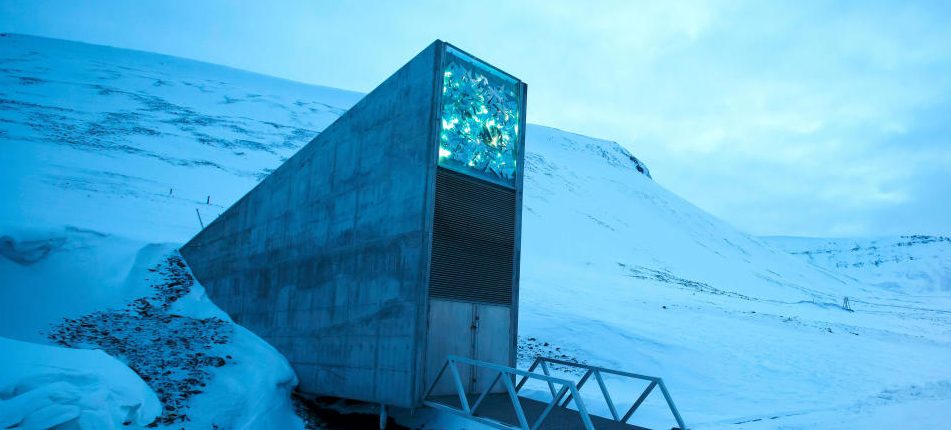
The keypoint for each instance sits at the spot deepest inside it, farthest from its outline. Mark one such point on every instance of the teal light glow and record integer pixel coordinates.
(480, 116)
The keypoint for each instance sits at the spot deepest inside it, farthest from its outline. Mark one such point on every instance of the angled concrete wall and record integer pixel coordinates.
(327, 258)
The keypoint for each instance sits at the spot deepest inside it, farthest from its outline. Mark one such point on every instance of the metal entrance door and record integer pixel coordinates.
(475, 330)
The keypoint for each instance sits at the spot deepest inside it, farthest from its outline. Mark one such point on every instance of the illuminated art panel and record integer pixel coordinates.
(480, 117)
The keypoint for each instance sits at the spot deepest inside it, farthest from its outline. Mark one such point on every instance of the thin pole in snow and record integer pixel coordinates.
(199, 219)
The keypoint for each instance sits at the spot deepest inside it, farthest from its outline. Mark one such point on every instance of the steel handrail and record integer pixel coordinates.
(596, 371)
(506, 375)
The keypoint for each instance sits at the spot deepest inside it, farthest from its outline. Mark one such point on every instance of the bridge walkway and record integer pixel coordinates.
(501, 406)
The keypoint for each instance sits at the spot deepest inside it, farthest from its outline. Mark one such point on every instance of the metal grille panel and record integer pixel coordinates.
(473, 240)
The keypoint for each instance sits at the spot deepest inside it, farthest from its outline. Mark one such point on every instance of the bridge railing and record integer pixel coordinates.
(544, 363)
(560, 388)
(564, 392)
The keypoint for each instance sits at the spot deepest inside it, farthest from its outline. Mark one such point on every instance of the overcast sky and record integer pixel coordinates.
(787, 118)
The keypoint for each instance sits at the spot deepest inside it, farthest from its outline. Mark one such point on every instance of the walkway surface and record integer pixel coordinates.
(498, 407)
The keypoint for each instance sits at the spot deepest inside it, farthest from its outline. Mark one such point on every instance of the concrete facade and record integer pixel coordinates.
(324, 258)
(327, 259)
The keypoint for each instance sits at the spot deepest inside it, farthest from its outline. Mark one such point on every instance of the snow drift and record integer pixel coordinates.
(44, 386)
(180, 355)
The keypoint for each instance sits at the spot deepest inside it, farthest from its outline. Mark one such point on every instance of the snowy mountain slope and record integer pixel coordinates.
(115, 126)
(621, 272)
(96, 137)
(913, 264)
(616, 270)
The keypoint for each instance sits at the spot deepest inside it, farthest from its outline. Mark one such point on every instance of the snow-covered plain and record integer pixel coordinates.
(110, 156)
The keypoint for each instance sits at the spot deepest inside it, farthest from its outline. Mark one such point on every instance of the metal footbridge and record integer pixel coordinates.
(500, 404)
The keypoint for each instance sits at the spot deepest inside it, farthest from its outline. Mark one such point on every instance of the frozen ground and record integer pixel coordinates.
(109, 153)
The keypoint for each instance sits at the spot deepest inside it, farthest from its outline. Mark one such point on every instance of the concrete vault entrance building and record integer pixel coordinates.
(383, 258)
(388, 242)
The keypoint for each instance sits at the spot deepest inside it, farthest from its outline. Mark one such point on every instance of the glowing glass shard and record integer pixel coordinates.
(480, 116)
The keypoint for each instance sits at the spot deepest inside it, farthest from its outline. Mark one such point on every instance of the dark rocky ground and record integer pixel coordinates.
(171, 353)
(530, 348)
(336, 414)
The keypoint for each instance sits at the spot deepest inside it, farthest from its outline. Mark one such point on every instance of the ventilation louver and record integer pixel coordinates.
(473, 240)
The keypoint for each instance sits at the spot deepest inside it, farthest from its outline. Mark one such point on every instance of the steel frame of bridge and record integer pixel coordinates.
(564, 392)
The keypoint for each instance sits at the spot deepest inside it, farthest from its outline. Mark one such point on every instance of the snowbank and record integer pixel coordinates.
(78, 272)
(107, 295)
(253, 389)
(44, 386)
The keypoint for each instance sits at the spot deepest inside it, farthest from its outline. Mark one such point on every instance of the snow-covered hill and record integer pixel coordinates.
(131, 143)
(912, 264)
(616, 270)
